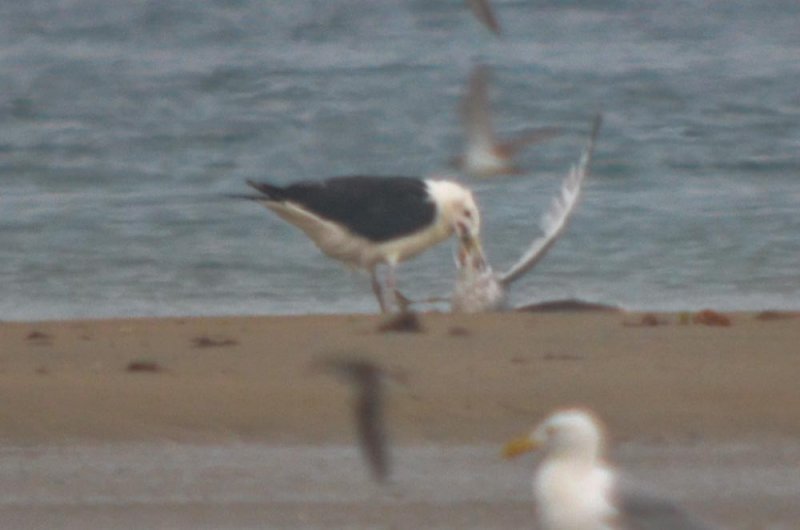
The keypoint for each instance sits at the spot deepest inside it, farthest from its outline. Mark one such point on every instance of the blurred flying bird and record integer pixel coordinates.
(484, 155)
(367, 380)
(483, 12)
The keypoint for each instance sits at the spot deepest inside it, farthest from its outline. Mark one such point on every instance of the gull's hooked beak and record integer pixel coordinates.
(470, 252)
(519, 446)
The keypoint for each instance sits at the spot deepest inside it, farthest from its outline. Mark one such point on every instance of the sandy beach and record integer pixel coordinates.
(708, 409)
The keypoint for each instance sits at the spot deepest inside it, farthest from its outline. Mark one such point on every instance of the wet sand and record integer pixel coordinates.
(238, 486)
(219, 423)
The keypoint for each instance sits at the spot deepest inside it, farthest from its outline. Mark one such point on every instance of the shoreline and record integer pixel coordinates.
(220, 422)
(467, 378)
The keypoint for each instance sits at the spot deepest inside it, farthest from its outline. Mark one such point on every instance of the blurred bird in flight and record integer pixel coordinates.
(484, 155)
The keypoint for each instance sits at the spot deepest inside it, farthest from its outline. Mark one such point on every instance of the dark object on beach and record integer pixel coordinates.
(776, 315)
(647, 320)
(209, 342)
(366, 379)
(562, 357)
(143, 366)
(405, 322)
(38, 336)
(568, 306)
(458, 331)
(707, 317)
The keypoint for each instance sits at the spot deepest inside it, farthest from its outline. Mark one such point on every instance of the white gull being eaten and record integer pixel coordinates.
(478, 287)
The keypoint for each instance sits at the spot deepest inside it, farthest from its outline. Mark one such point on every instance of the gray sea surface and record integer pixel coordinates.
(124, 123)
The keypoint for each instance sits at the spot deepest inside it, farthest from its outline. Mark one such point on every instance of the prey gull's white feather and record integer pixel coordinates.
(554, 221)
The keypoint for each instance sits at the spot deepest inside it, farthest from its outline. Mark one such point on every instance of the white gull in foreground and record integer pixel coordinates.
(574, 489)
(365, 221)
(478, 288)
(484, 155)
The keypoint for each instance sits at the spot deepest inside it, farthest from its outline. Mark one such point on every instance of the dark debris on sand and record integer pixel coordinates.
(647, 320)
(765, 316)
(143, 366)
(404, 322)
(38, 336)
(568, 305)
(210, 342)
(708, 317)
(458, 331)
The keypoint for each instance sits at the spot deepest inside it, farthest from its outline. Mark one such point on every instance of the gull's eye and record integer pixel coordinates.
(468, 214)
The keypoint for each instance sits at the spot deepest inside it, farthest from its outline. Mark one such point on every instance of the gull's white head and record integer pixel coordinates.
(574, 433)
(457, 208)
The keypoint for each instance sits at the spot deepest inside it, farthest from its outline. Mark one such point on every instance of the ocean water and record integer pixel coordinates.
(123, 124)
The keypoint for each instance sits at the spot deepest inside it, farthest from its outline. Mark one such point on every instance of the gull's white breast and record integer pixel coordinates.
(573, 496)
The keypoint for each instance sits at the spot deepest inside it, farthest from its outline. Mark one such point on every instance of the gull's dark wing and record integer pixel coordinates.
(639, 511)
(376, 208)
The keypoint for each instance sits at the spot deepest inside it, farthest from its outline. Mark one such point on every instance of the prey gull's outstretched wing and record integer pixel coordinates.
(555, 220)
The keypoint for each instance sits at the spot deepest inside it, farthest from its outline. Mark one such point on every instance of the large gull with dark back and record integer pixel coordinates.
(365, 221)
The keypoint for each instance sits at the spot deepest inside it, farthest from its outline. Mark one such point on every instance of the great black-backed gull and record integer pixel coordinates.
(574, 489)
(478, 288)
(484, 155)
(365, 221)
